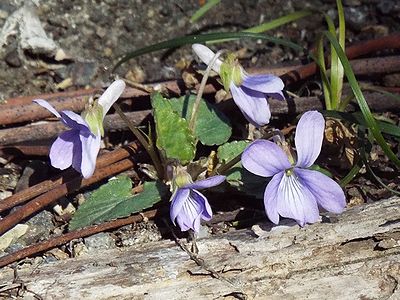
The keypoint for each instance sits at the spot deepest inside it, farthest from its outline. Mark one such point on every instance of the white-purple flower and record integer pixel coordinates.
(294, 191)
(248, 91)
(79, 146)
(188, 205)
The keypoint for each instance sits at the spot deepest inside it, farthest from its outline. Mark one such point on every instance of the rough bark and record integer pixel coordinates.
(352, 256)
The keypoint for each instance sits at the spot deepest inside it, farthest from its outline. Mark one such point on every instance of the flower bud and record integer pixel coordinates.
(93, 115)
(231, 71)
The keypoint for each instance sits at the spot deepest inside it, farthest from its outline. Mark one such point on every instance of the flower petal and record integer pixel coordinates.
(308, 138)
(206, 55)
(47, 106)
(295, 201)
(207, 212)
(265, 158)
(326, 191)
(252, 104)
(111, 94)
(73, 120)
(192, 210)
(90, 150)
(62, 150)
(277, 96)
(264, 83)
(178, 199)
(271, 198)
(206, 183)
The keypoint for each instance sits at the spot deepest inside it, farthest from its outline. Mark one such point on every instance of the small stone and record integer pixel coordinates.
(99, 241)
(129, 24)
(356, 17)
(83, 73)
(386, 6)
(40, 226)
(12, 59)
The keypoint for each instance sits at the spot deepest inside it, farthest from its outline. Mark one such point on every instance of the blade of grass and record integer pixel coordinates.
(279, 21)
(370, 120)
(202, 38)
(358, 118)
(337, 68)
(271, 24)
(203, 10)
(334, 66)
(352, 173)
(322, 69)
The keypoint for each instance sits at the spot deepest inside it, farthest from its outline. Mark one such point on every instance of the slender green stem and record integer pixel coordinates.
(201, 90)
(224, 168)
(149, 147)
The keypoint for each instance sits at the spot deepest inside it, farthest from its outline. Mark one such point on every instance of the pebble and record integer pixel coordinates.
(356, 17)
(100, 240)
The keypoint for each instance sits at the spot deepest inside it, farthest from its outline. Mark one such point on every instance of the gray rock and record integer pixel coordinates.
(356, 17)
(12, 59)
(101, 240)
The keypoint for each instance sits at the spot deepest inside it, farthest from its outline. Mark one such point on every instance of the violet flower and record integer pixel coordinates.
(188, 205)
(295, 191)
(80, 145)
(248, 91)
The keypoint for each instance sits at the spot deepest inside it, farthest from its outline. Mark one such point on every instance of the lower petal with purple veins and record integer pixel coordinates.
(178, 200)
(295, 201)
(271, 197)
(63, 149)
(326, 191)
(252, 104)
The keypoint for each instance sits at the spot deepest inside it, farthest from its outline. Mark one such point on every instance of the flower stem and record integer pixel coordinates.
(148, 146)
(196, 104)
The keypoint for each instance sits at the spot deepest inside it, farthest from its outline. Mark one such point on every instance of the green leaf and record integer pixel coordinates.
(211, 127)
(115, 200)
(173, 133)
(370, 120)
(229, 151)
(202, 10)
(202, 38)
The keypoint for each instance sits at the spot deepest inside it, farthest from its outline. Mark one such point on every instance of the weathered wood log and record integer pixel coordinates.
(352, 256)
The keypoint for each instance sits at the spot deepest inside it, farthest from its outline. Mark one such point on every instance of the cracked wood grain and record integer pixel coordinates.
(339, 258)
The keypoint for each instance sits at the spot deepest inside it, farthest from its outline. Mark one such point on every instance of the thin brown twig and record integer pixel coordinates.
(51, 129)
(76, 234)
(104, 160)
(51, 196)
(377, 102)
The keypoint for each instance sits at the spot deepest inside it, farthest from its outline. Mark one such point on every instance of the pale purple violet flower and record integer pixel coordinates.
(248, 91)
(188, 205)
(80, 146)
(294, 191)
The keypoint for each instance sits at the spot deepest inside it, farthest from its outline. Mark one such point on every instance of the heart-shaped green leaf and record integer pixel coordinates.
(115, 200)
(173, 133)
(211, 127)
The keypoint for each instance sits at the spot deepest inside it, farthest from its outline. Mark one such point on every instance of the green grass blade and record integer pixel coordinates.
(370, 120)
(341, 37)
(334, 65)
(279, 21)
(325, 83)
(358, 118)
(352, 173)
(203, 10)
(271, 24)
(202, 38)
